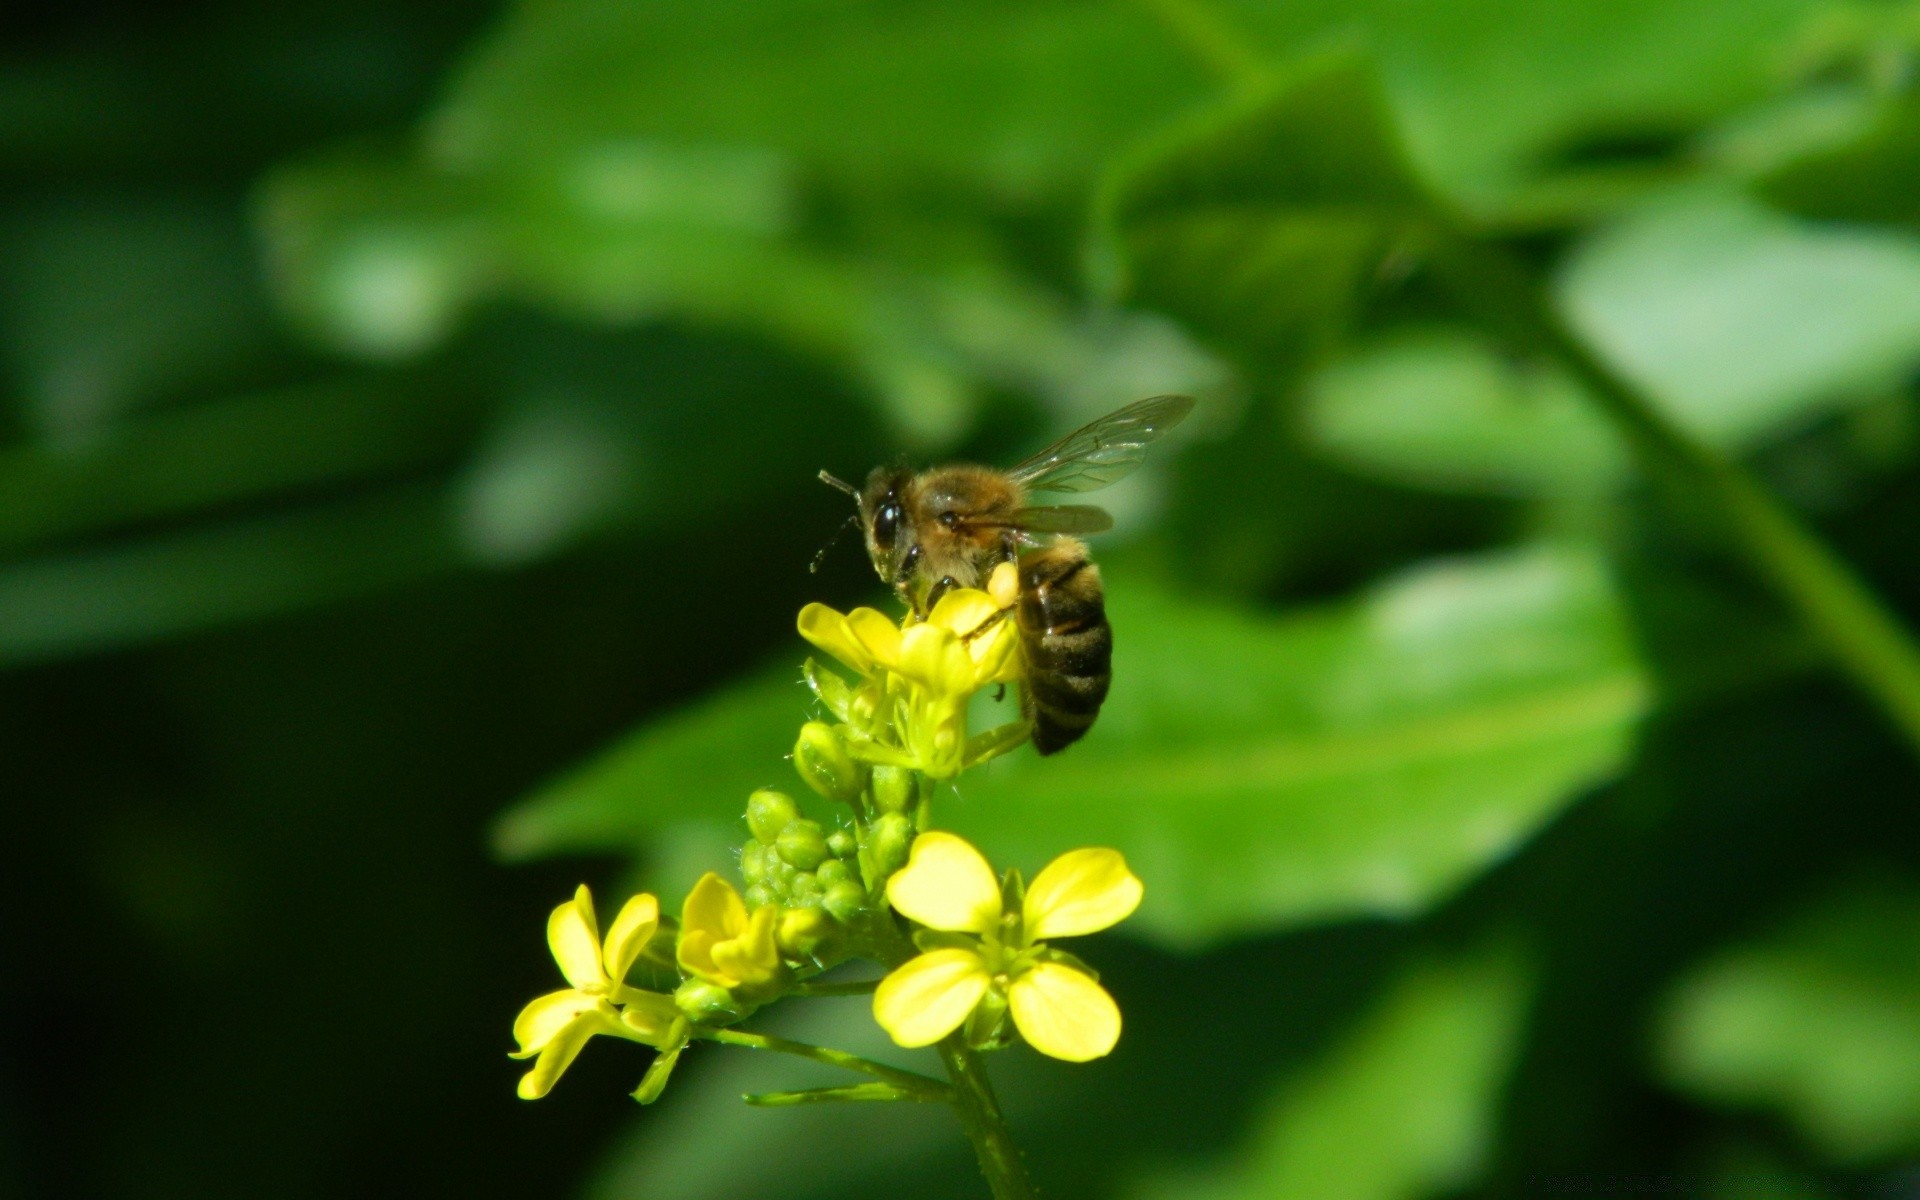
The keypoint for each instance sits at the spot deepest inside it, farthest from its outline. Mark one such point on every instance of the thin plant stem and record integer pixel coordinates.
(852, 1093)
(973, 1098)
(858, 987)
(1846, 620)
(972, 1092)
(905, 1080)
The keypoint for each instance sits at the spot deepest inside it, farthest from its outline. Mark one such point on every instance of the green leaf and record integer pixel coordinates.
(180, 582)
(1261, 222)
(1017, 99)
(194, 457)
(1256, 771)
(1874, 177)
(696, 766)
(1264, 772)
(1406, 1104)
(1817, 1019)
(1745, 323)
(1441, 409)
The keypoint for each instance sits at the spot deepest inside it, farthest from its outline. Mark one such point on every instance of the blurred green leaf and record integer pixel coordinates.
(1745, 323)
(1258, 772)
(1874, 177)
(1817, 1019)
(108, 303)
(1019, 100)
(191, 457)
(1261, 223)
(1365, 759)
(89, 600)
(1405, 1105)
(1441, 409)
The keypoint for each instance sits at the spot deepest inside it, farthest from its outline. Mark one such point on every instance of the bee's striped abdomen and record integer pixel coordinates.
(1067, 643)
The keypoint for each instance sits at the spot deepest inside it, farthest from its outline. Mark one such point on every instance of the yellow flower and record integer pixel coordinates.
(1001, 960)
(926, 670)
(720, 943)
(558, 1024)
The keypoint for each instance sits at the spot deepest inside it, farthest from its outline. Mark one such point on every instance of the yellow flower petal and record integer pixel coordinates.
(560, 1052)
(933, 657)
(713, 913)
(545, 1017)
(830, 630)
(1063, 1013)
(631, 931)
(1082, 891)
(927, 998)
(946, 885)
(752, 957)
(877, 636)
(963, 611)
(575, 940)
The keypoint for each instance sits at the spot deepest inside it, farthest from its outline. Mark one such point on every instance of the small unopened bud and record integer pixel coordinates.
(804, 888)
(842, 844)
(802, 931)
(889, 841)
(846, 900)
(758, 894)
(893, 789)
(708, 1003)
(768, 812)
(802, 844)
(821, 758)
(833, 871)
(753, 862)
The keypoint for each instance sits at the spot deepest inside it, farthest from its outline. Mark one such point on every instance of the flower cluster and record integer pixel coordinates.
(968, 954)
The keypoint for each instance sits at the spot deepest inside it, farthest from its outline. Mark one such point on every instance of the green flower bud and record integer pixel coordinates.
(821, 758)
(802, 931)
(768, 812)
(802, 844)
(846, 900)
(842, 844)
(760, 894)
(805, 888)
(891, 837)
(780, 875)
(753, 863)
(833, 871)
(894, 790)
(706, 1003)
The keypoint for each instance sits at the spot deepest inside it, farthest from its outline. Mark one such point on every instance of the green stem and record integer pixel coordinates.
(861, 987)
(1863, 638)
(1856, 631)
(905, 1080)
(852, 1093)
(979, 1111)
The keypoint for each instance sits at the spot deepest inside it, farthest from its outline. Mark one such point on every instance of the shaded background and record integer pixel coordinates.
(410, 414)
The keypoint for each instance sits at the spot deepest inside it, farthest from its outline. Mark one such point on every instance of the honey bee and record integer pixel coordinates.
(930, 531)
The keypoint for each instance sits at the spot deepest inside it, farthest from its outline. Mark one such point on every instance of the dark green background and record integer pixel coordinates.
(408, 422)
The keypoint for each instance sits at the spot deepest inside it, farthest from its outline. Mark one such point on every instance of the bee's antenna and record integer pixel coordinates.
(813, 568)
(834, 481)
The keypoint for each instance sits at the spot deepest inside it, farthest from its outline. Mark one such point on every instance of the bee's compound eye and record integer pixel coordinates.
(886, 524)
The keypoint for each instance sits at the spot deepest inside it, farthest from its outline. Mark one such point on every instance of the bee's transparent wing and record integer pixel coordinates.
(1062, 518)
(1104, 452)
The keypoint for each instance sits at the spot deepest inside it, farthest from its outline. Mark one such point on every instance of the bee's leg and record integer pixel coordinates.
(941, 587)
(985, 625)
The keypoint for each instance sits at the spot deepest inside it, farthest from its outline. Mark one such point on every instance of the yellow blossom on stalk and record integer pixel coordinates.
(925, 671)
(721, 943)
(998, 961)
(555, 1026)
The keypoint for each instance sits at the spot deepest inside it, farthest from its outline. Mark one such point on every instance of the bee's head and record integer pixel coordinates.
(891, 543)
